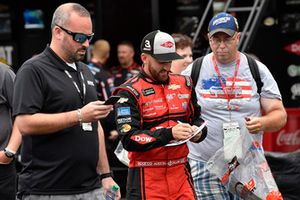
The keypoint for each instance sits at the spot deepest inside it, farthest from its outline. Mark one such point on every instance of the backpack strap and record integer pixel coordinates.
(255, 72)
(196, 70)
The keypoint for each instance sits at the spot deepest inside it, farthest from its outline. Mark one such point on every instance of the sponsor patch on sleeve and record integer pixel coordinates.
(125, 128)
(134, 91)
(142, 138)
(124, 120)
(187, 81)
(123, 111)
(123, 100)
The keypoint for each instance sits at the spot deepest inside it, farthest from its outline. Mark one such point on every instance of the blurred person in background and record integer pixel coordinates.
(100, 55)
(184, 47)
(127, 67)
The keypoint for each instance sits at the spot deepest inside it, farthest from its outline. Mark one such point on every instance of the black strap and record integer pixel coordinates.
(105, 175)
(255, 72)
(196, 70)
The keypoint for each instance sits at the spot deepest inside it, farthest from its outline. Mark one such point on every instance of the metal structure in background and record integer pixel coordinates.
(252, 23)
(254, 16)
(203, 18)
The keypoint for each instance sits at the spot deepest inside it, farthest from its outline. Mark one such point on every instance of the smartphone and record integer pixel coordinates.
(112, 100)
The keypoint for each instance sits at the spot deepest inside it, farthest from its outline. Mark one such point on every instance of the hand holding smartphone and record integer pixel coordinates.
(112, 100)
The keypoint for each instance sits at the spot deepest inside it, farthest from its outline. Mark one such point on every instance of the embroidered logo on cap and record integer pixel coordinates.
(221, 20)
(147, 45)
(167, 44)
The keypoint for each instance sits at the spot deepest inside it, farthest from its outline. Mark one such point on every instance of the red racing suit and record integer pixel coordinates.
(145, 116)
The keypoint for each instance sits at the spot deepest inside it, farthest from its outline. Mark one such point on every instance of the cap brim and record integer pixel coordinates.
(167, 57)
(227, 31)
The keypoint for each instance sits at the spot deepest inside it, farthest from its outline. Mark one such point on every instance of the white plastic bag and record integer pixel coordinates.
(122, 154)
(249, 176)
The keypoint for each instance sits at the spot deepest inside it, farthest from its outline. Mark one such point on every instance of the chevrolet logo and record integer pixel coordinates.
(122, 100)
(174, 87)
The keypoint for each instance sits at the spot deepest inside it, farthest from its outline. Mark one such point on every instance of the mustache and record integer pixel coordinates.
(82, 48)
(169, 71)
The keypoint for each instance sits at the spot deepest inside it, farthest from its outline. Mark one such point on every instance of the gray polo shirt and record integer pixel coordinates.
(6, 92)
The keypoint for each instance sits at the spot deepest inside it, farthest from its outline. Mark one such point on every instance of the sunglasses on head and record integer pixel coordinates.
(78, 37)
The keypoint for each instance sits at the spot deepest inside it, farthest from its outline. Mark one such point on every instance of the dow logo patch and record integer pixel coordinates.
(142, 138)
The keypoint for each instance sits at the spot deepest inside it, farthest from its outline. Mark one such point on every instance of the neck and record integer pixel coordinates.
(59, 52)
(228, 60)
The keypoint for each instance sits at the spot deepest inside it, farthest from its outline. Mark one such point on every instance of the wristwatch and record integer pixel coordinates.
(9, 153)
(105, 175)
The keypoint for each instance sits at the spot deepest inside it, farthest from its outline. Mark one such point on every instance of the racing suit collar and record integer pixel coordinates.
(148, 79)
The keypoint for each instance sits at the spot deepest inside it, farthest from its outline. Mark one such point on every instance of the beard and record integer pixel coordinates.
(78, 55)
(161, 76)
(73, 52)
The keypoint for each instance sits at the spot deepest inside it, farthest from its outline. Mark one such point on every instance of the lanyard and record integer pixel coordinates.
(82, 96)
(228, 96)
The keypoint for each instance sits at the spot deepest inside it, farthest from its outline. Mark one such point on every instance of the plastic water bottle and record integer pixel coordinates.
(111, 194)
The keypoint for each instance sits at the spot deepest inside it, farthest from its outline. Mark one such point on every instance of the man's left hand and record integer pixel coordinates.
(107, 184)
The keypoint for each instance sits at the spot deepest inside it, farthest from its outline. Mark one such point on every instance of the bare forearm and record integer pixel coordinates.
(15, 139)
(40, 124)
(103, 165)
(275, 117)
(273, 121)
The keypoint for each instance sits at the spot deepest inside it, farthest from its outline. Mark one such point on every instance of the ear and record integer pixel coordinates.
(208, 38)
(238, 37)
(144, 58)
(57, 33)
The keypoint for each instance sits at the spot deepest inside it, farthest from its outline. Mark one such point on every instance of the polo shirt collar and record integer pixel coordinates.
(57, 61)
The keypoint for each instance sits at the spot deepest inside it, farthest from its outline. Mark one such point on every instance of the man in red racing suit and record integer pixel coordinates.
(147, 115)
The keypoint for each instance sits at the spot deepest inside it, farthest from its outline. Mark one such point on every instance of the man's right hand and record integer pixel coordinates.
(182, 131)
(4, 159)
(94, 111)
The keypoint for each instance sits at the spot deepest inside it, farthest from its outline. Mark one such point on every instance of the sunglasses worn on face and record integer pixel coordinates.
(78, 37)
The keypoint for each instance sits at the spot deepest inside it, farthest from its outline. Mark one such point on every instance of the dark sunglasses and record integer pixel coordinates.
(78, 37)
